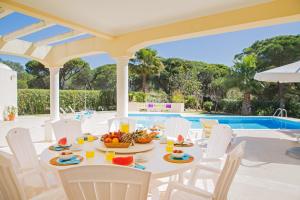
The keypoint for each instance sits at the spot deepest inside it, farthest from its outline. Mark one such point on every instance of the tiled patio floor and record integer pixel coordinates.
(266, 172)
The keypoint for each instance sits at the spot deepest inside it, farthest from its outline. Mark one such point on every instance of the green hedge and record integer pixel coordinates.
(37, 101)
(231, 106)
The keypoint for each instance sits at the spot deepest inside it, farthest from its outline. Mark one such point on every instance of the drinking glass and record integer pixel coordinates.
(80, 140)
(169, 148)
(170, 142)
(124, 127)
(90, 138)
(90, 154)
(109, 155)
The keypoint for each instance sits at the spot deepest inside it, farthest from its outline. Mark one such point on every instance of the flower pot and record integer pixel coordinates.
(11, 117)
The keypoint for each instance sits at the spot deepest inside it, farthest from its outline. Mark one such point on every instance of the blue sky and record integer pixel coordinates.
(219, 48)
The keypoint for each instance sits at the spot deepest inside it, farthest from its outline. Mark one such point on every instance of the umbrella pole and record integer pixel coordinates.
(281, 100)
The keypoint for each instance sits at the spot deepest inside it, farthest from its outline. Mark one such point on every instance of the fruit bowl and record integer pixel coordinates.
(143, 140)
(153, 134)
(177, 154)
(117, 145)
(66, 155)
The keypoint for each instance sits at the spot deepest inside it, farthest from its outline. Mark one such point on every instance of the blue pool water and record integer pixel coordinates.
(235, 122)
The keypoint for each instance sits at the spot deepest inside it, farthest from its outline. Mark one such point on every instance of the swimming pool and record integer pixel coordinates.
(235, 122)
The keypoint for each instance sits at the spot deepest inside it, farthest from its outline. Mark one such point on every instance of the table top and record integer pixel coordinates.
(154, 159)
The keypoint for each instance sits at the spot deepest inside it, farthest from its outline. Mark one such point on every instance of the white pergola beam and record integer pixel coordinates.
(59, 38)
(4, 12)
(27, 30)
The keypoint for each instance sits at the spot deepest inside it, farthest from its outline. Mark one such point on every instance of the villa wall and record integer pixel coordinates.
(156, 107)
(8, 88)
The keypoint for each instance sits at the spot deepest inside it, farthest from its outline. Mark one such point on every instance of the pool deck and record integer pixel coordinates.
(266, 171)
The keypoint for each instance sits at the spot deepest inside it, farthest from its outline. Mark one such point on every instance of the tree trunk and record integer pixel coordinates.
(246, 105)
(144, 83)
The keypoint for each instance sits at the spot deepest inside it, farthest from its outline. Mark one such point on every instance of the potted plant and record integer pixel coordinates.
(11, 113)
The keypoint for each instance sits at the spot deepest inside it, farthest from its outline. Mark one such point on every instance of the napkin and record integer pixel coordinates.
(73, 160)
(184, 157)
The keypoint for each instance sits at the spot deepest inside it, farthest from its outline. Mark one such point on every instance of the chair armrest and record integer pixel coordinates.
(188, 189)
(212, 160)
(207, 168)
(57, 193)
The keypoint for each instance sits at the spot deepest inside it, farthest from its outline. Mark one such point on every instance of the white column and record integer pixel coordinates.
(122, 86)
(54, 93)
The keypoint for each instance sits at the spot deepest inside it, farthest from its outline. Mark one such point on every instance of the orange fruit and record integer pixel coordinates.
(107, 140)
(115, 140)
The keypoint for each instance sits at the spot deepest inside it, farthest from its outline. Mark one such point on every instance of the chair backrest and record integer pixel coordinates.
(20, 143)
(219, 140)
(208, 123)
(10, 187)
(114, 123)
(69, 128)
(105, 182)
(176, 125)
(229, 170)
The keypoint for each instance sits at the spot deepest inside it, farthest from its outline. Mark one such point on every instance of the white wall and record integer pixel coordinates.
(8, 89)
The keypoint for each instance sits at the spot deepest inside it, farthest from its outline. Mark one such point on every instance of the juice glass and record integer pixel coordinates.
(90, 138)
(109, 155)
(170, 142)
(169, 148)
(90, 154)
(80, 140)
(124, 127)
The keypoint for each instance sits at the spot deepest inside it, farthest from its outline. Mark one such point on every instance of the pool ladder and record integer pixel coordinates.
(280, 112)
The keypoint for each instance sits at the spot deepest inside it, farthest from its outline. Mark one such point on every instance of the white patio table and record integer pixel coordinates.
(155, 162)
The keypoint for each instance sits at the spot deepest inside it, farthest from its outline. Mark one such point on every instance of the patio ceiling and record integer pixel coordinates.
(122, 27)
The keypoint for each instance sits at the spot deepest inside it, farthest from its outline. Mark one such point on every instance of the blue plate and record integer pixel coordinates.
(73, 160)
(184, 157)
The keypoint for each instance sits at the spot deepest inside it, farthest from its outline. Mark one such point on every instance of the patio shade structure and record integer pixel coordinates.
(120, 28)
(289, 73)
(285, 74)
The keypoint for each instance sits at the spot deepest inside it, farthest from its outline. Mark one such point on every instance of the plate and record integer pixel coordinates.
(131, 149)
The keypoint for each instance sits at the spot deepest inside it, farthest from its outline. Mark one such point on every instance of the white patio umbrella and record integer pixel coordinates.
(285, 74)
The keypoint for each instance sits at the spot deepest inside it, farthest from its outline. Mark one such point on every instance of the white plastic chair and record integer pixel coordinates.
(217, 145)
(105, 182)
(176, 125)
(207, 125)
(69, 128)
(12, 189)
(220, 191)
(218, 142)
(20, 143)
(114, 123)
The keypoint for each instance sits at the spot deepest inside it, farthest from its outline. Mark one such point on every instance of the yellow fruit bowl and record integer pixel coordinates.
(117, 145)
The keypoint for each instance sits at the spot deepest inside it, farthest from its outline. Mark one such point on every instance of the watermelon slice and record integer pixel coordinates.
(123, 160)
(180, 139)
(63, 141)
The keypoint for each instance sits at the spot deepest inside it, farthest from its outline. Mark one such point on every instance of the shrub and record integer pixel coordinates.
(263, 107)
(137, 96)
(231, 106)
(37, 101)
(293, 108)
(177, 97)
(191, 102)
(207, 105)
(157, 97)
(33, 101)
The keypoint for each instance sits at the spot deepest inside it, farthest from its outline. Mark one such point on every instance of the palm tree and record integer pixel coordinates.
(146, 63)
(242, 76)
